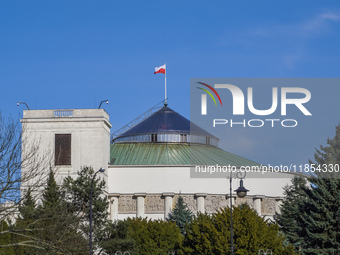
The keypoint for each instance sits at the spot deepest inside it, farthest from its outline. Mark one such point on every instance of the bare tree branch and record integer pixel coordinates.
(22, 165)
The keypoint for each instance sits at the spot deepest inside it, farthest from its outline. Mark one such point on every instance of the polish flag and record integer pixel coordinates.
(160, 69)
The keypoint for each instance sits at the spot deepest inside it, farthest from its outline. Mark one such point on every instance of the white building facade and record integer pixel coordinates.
(150, 165)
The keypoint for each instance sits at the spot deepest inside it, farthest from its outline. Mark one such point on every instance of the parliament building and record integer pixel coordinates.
(150, 164)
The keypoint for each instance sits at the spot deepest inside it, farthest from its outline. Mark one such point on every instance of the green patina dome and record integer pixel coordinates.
(167, 138)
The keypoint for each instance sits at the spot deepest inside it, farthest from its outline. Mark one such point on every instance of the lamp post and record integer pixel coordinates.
(240, 192)
(18, 103)
(104, 101)
(102, 170)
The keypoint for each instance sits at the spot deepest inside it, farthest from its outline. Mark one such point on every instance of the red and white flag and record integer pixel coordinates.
(160, 69)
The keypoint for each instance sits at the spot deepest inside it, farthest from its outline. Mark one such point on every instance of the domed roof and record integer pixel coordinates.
(174, 154)
(167, 138)
(167, 122)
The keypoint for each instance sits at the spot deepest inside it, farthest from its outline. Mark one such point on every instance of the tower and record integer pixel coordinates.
(68, 139)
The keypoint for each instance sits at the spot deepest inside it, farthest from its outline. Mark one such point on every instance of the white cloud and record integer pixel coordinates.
(317, 24)
(293, 39)
(330, 16)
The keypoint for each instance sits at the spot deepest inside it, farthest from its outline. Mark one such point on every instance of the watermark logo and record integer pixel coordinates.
(295, 96)
(239, 99)
(204, 97)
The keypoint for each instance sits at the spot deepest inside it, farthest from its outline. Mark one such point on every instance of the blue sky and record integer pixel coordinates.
(73, 54)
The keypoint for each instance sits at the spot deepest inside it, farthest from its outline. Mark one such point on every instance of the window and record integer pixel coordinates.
(183, 138)
(153, 138)
(62, 149)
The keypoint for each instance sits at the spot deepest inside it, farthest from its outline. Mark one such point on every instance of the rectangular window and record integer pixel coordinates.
(62, 149)
(183, 138)
(154, 138)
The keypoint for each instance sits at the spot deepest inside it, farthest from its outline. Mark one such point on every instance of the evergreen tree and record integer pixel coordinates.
(5, 239)
(27, 209)
(78, 192)
(25, 221)
(47, 215)
(52, 195)
(211, 234)
(143, 237)
(53, 228)
(154, 236)
(181, 214)
(320, 212)
(320, 216)
(117, 238)
(289, 217)
(203, 236)
(317, 222)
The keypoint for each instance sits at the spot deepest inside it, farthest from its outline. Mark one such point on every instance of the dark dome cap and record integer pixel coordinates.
(166, 121)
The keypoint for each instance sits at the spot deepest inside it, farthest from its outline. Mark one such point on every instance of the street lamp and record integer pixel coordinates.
(240, 192)
(102, 170)
(104, 101)
(18, 103)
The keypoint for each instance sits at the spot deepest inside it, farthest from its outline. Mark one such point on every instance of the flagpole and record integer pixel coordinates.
(165, 101)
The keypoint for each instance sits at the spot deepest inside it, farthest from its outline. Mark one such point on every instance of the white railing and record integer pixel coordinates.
(63, 113)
